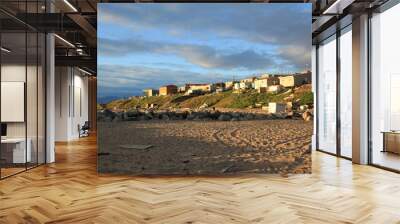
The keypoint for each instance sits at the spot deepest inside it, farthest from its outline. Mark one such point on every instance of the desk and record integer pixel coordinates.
(19, 155)
(391, 141)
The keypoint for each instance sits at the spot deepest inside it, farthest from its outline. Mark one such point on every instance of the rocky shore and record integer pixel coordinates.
(203, 115)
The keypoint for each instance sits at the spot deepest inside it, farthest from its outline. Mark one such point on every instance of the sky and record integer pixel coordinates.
(149, 45)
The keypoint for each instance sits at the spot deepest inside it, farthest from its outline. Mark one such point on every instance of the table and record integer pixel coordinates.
(391, 141)
(19, 154)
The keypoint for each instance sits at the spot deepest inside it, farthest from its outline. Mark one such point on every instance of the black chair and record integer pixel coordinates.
(84, 130)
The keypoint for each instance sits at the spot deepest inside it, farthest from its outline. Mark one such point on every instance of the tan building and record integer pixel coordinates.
(206, 87)
(265, 82)
(182, 89)
(245, 85)
(276, 108)
(251, 79)
(295, 80)
(150, 92)
(168, 90)
(274, 89)
(230, 84)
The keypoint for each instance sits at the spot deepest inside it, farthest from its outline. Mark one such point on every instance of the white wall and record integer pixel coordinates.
(71, 102)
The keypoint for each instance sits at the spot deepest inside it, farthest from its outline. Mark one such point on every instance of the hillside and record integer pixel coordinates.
(228, 99)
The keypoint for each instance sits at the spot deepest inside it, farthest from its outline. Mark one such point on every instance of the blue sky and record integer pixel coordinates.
(149, 45)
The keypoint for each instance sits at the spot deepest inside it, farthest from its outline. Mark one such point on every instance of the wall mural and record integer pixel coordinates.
(204, 89)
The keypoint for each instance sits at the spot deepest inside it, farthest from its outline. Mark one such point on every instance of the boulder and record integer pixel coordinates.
(249, 116)
(224, 117)
(131, 113)
(108, 113)
(165, 117)
(307, 116)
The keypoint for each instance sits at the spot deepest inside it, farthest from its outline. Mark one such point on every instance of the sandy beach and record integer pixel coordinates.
(205, 147)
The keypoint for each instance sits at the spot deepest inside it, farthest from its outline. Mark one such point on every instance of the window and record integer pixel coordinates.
(346, 92)
(327, 95)
(385, 89)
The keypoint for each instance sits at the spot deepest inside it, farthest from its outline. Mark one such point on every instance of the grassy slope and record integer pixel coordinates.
(226, 99)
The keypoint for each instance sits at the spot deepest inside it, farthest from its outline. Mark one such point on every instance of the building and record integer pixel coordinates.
(236, 86)
(150, 92)
(219, 85)
(203, 87)
(275, 89)
(168, 90)
(182, 89)
(295, 80)
(265, 82)
(274, 108)
(230, 85)
(251, 79)
(245, 85)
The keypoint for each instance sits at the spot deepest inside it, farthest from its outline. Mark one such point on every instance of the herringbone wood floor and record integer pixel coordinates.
(70, 191)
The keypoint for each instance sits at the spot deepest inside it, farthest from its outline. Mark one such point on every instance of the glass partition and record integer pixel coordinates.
(385, 89)
(22, 88)
(327, 95)
(346, 92)
(14, 153)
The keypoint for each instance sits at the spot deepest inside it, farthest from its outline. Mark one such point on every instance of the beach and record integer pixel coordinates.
(182, 147)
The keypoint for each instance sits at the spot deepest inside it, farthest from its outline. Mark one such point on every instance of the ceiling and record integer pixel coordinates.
(75, 21)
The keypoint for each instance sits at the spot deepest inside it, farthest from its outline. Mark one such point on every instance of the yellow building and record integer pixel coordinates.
(265, 82)
(150, 92)
(168, 90)
(201, 87)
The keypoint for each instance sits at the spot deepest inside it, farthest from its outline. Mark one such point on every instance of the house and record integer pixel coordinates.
(262, 90)
(274, 108)
(236, 86)
(182, 89)
(295, 80)
(245, 85)
(203, 87)
(265, 82)
(274, 89)
(251, 79)
(220, 85)
(230, 85)
(168, 90)
(150, 92)
(219, 90)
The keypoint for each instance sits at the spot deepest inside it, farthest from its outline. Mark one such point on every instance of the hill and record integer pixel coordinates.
(228, 99)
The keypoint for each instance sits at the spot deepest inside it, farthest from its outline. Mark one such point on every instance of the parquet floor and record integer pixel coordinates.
(70, 191)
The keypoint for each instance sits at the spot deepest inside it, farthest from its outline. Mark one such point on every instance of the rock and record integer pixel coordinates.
(214, 115)
(108, 113)
(290, 114)
(191, 116)
(165, 117)
(249, 116)
(203, 106)
(130, 118)
(280, 115)
(224, 117)
(235, 114)
(131, 114)
(307, 116)
(235, 119)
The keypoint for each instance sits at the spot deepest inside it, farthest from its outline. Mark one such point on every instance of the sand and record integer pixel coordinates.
(205, 147)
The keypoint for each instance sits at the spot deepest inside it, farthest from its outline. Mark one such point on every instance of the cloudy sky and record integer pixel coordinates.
(148, 45)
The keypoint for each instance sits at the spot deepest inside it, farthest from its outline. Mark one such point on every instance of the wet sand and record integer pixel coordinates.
(205, 147)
